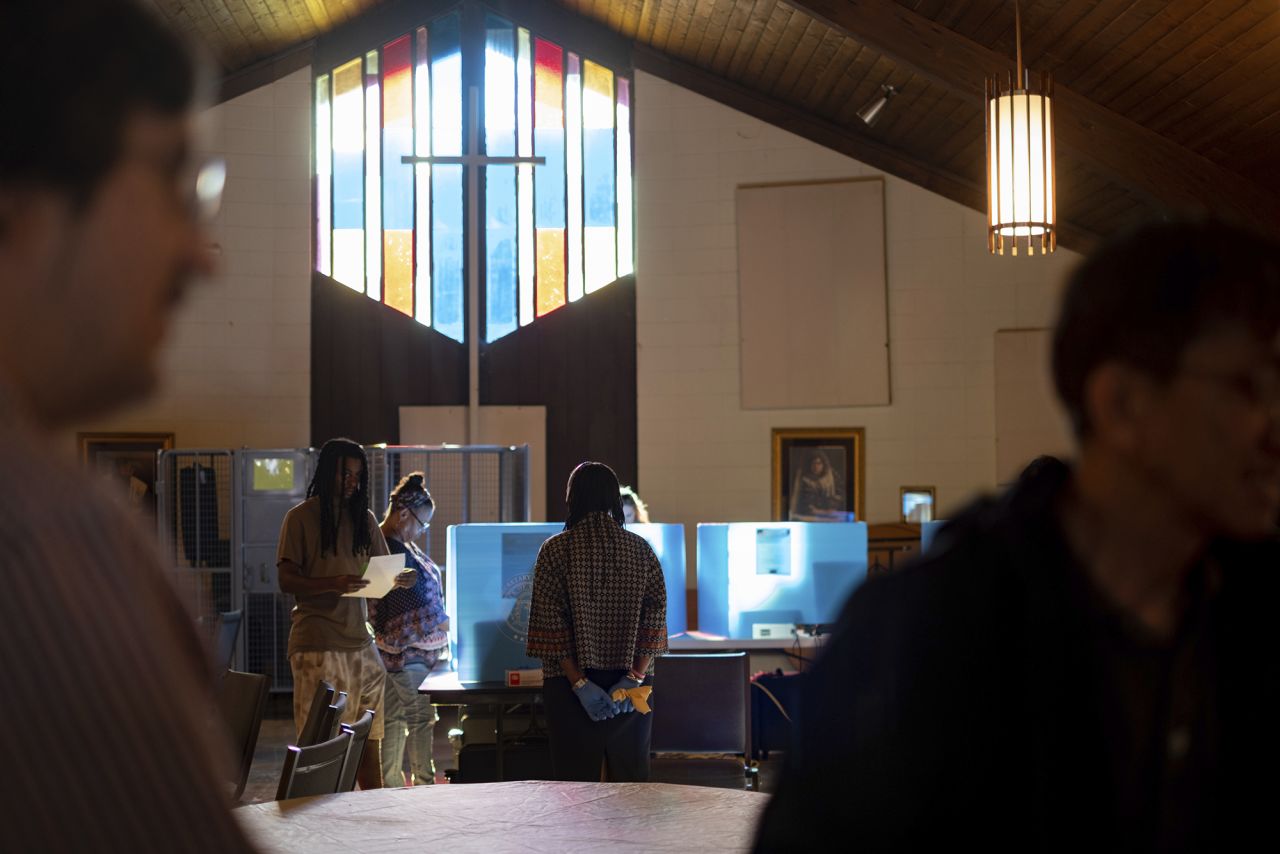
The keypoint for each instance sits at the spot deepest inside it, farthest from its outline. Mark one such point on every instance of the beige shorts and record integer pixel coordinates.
(358, 672)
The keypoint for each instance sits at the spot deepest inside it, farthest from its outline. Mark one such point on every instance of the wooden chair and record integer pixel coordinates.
(702, 711)
(242, 699)
(224, 641)
(359, 735)
(314, 731)
(314, 770)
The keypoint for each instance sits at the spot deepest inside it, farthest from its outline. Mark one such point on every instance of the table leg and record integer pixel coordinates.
(497, 744)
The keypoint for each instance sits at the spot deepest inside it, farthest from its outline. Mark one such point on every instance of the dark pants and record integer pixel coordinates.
(579, 745)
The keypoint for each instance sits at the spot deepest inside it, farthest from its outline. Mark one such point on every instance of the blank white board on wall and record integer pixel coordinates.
(1029, 419)
(811, 294)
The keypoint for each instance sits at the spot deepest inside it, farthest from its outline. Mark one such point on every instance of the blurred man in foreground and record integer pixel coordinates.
(106, 743)
(1089, 661)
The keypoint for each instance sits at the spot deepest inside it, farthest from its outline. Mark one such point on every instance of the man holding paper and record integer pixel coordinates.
(326, 543)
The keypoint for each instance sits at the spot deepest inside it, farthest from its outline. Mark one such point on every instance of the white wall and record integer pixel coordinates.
(701, 456)
(237, 363)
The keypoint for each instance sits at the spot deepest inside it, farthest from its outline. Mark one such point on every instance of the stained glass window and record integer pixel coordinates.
(396, 231)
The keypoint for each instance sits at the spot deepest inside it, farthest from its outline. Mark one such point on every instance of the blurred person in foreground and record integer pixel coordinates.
(1087, 662)
(107, 745)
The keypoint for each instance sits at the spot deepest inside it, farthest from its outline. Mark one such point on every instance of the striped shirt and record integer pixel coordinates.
(599, 597)
(108, 744)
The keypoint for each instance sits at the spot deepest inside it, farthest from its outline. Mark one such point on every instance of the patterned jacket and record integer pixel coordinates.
(598, 597)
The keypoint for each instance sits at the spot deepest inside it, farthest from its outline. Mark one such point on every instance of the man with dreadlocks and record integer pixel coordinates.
(325, 543)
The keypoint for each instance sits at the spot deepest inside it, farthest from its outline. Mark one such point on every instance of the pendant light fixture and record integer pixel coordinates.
(1021, 197)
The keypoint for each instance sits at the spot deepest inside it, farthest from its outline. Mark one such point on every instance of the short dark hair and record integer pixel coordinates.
(1143, 297)
(74, 72)
(593, 488)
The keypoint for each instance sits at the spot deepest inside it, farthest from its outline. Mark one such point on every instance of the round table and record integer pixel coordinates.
(511, 817)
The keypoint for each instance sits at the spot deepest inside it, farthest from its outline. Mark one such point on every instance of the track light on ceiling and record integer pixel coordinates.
(871, 111)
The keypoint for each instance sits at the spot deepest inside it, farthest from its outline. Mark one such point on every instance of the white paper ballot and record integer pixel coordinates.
(381, 574)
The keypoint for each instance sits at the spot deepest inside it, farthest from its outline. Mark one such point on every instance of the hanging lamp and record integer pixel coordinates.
(1021, 197)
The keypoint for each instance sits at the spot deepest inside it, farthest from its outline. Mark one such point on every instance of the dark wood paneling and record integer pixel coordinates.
(1138, 159)
(373, 28)
(368, 360)
(1217, 51)
(580, 363)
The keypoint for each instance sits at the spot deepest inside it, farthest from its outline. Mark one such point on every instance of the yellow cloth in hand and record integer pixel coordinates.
(639, 697)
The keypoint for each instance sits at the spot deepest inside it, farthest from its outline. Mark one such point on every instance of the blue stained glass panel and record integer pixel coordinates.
(397, 185)
(448, 248)
(448, 242)
(501, 212)
(598, 176)
(348, 189)
(549, 179)
(501, 311)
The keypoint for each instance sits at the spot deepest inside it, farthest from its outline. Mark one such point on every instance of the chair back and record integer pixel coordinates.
(313, 770)
(702, 704)
(242, 699)
(313, 730)
(359, 735)
(225, 636)
(333, 717)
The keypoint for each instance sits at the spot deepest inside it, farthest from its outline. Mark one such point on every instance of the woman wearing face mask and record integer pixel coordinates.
(410, 627)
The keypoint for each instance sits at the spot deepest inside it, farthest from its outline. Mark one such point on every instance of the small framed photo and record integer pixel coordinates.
(917, 503)
(818, 474)
(127, 461)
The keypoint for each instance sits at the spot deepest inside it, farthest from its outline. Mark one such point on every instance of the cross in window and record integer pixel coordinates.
(474, 159)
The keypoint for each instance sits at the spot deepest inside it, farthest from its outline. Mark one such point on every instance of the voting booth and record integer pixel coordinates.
(668, 544)
(760, 579)
(489, 589)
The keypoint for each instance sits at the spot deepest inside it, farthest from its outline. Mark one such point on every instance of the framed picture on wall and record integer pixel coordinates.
(127, 461)
(818, 474)
(917, 503)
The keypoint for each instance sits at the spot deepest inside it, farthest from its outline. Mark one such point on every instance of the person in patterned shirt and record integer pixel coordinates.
(411, 629)
(597, 620)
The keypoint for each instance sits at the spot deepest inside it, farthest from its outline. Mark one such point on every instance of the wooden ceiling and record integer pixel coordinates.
(1162, 104)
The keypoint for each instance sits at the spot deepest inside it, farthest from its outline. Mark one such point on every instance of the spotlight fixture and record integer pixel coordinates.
(871, 111)
(1021, 192)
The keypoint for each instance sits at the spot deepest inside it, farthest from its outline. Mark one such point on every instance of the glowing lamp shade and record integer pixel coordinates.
(1021, 197)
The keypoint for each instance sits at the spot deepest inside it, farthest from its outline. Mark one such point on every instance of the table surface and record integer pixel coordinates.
(497, 818)
(684, 643)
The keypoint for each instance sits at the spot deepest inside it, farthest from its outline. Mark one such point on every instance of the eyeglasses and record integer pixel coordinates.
(197, 183)
(417, 518)
(207, 181)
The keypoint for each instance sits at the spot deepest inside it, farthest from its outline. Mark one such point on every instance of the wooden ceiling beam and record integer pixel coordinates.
(1142, 161)
(848, 142)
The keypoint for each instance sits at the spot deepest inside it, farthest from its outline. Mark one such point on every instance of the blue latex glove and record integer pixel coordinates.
(626, 683)
(595, 701)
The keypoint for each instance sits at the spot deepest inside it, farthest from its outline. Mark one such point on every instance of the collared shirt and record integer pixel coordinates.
(407, 621)
(599, 597)
(109, 743)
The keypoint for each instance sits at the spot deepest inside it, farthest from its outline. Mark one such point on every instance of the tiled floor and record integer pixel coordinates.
(277, 732)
